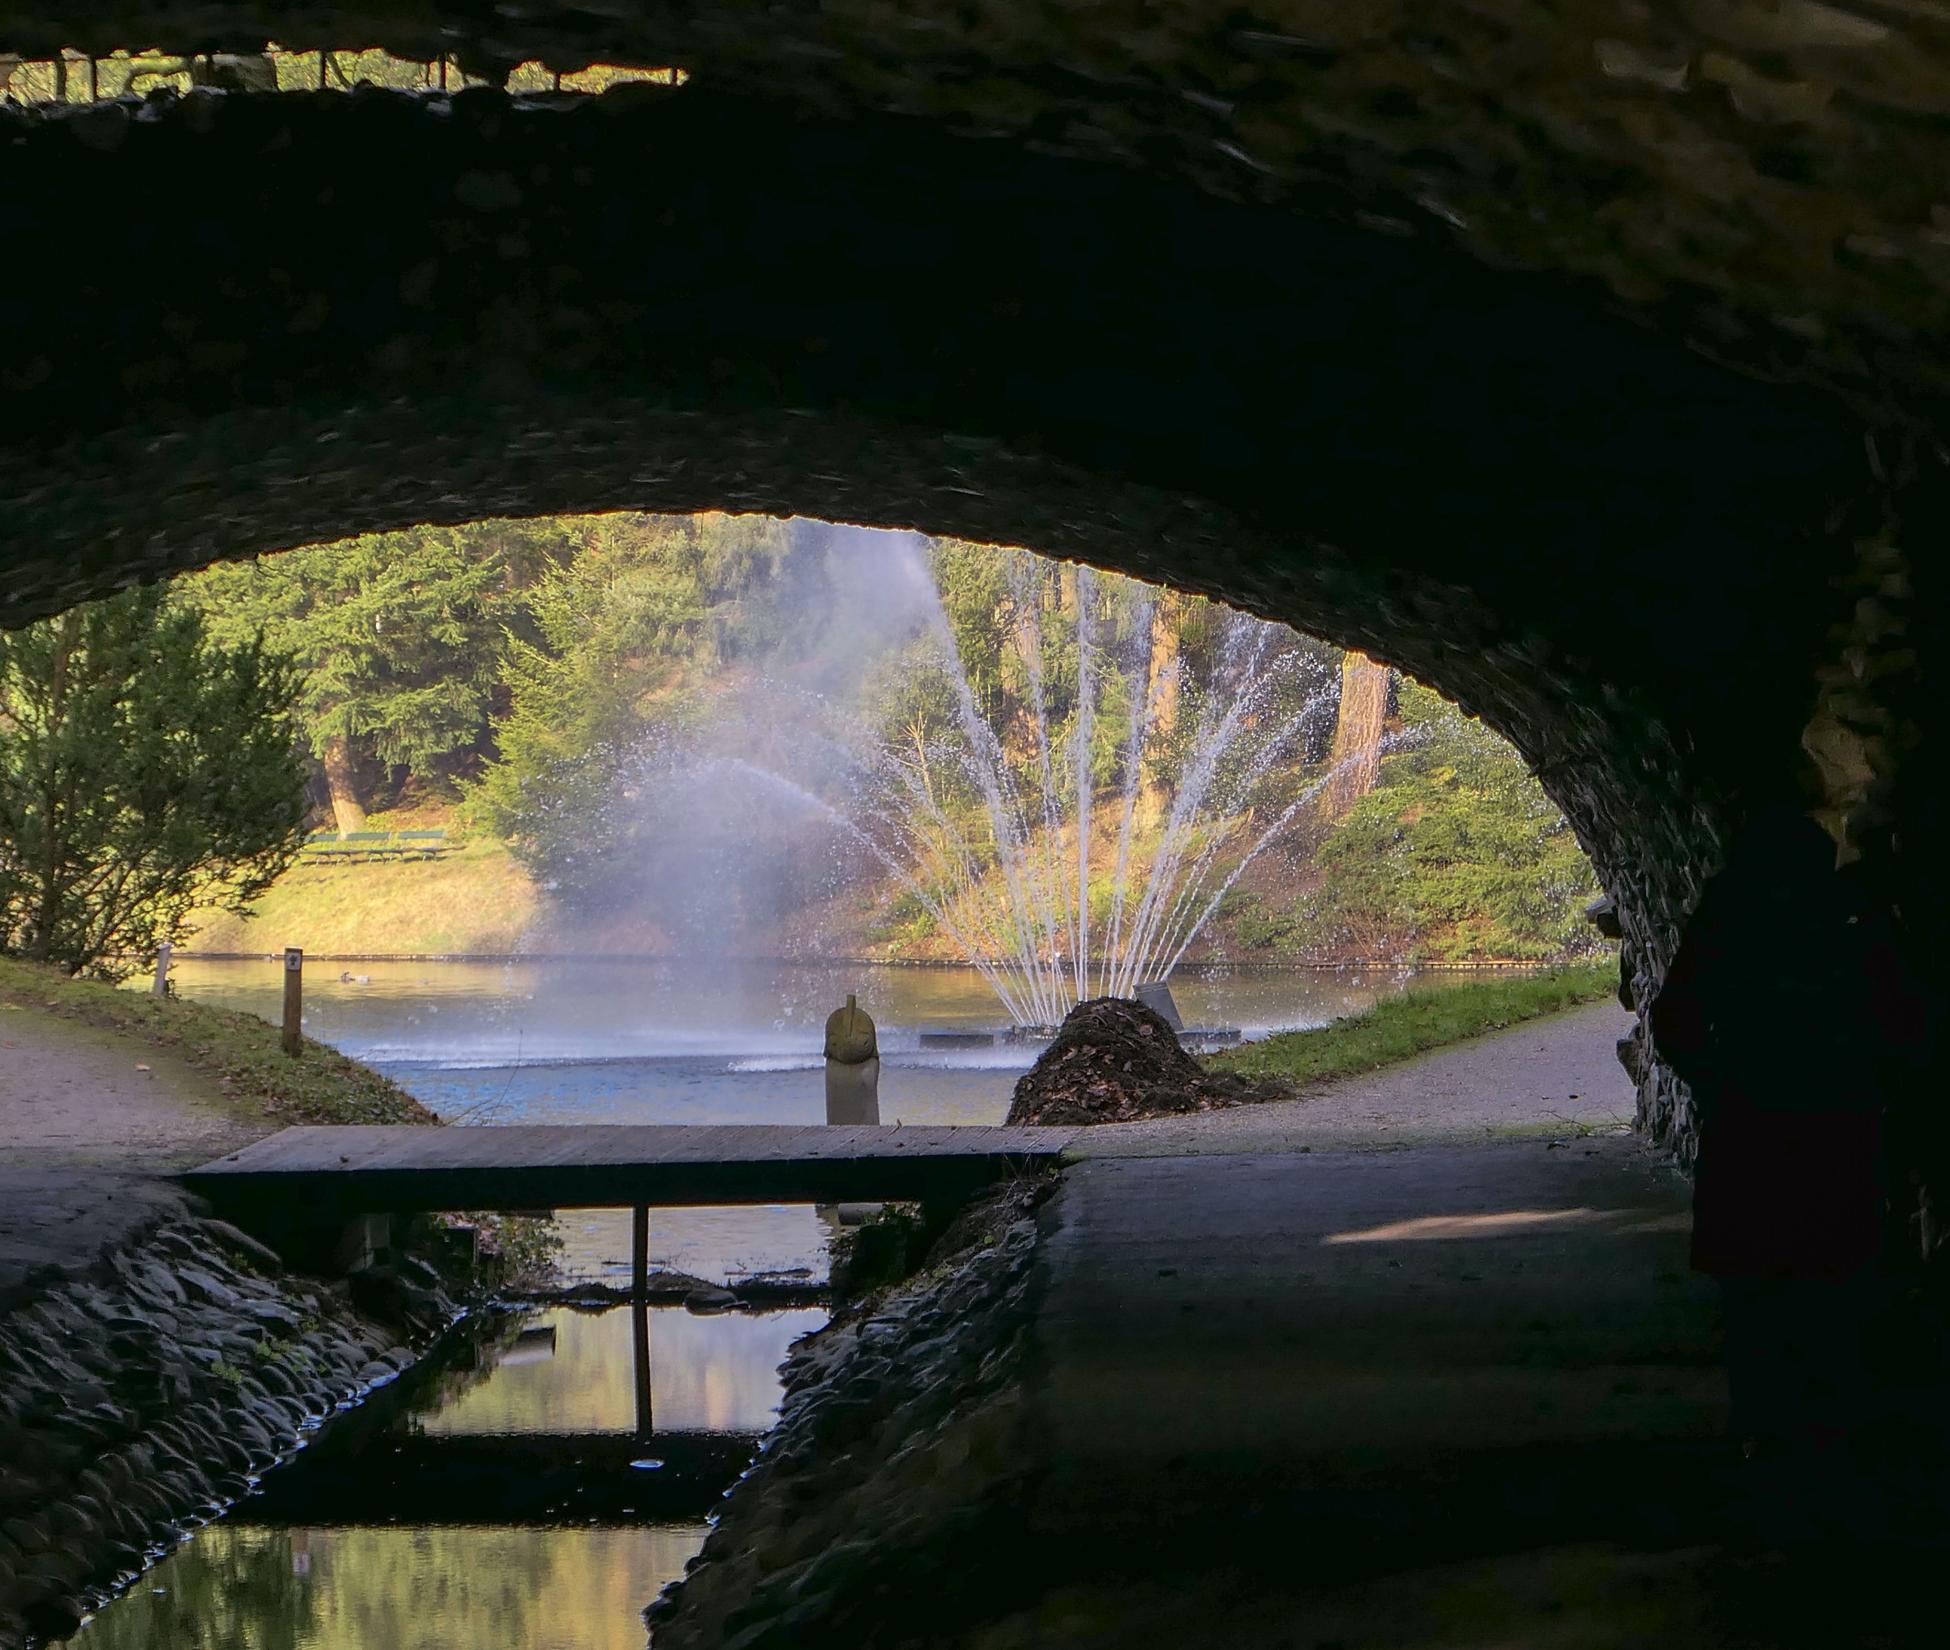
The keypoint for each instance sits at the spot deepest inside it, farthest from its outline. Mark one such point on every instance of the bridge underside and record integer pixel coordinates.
(1587, 367)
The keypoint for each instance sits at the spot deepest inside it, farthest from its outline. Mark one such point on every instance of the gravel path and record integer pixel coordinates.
(88, 1121)
(74, 1095)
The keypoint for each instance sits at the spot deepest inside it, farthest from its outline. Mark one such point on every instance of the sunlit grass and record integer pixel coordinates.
(475, 901)
(1421, 1018)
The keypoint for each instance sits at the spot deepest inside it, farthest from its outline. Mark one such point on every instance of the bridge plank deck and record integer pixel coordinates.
(371, 1168)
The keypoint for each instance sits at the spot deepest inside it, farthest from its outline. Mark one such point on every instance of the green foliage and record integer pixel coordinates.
(627, 636)
(542, 665)
(398, 634)
(1254, 923)
(903, 919)
(145, 769)
(1422, 1018)
(1456, 854)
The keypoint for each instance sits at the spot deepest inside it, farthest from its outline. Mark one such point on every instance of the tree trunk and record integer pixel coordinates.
(1354, 764)
(54, 823)
(1164, 684)
(1161, 692)
(342, 779)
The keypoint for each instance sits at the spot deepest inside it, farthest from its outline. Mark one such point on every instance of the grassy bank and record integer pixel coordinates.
(476, 900)
(238, 1052)
(1422, 1018)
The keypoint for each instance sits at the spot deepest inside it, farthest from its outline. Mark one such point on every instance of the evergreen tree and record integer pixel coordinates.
(628, 637)
(1456, 853)
(144, 769)
(398, 636)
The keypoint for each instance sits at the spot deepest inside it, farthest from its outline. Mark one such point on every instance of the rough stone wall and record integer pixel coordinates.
(139, 1400)
(1763, 177)
(905, 1419)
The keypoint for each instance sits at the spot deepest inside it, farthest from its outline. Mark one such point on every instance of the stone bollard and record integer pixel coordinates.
(852, 1088)
(852, 1066)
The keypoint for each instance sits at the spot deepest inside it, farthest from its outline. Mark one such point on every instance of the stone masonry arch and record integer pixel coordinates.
(244, 322)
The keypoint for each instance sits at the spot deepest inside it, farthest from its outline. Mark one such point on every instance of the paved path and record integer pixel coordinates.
(87, 1120)
(1555, 1075)
(1415, 1361)
(74, 1094)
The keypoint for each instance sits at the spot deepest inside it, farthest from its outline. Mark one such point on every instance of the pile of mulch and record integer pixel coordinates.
(1114, 1061)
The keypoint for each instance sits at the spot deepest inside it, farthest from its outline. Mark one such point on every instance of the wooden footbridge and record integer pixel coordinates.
(322, 1174)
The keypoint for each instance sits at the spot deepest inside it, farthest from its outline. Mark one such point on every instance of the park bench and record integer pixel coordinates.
(360, 847)
(366, 845)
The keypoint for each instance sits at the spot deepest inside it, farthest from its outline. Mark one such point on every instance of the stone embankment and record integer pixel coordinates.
(143, 1395)
(906, 1415)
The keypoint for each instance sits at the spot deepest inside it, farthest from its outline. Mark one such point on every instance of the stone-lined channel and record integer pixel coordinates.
(499, 1494)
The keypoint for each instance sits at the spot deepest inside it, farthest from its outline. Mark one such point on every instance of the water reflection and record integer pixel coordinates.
(502, 1498)
(707, 1374)
(499, 1498)
(236, 1588)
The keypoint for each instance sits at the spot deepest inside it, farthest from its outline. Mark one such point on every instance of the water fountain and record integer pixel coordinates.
(1071, 809)
(1054, 898)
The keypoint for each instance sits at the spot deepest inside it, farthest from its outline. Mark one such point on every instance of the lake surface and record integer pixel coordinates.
(508, 1495)
(723, 1041)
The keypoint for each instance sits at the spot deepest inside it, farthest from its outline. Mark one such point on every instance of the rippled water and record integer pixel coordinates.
(718, 1033)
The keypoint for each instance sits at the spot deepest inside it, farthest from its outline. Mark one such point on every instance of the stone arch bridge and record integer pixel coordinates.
(1587, 361)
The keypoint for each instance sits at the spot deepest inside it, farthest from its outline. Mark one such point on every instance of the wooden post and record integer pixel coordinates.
(161, 987)
(294, 999)
(640, 1315)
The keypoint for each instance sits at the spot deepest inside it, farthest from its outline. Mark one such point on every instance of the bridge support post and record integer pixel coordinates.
(640, 1316)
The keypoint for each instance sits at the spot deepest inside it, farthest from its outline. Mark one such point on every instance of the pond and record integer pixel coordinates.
(507, 1495)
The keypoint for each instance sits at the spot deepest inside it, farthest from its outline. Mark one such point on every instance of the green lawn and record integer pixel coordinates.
(239, 1052)
(475, 900)
(1422, 1018)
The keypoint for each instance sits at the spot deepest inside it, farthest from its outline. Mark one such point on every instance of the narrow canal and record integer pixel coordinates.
(506, 1493)
(512, 1493)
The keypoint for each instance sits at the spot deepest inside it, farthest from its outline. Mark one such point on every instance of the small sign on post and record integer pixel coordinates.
(294, 998)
